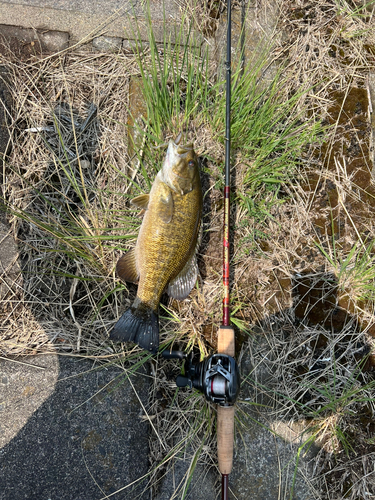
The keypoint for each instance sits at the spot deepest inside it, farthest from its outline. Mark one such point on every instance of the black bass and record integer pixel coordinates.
(164, 257)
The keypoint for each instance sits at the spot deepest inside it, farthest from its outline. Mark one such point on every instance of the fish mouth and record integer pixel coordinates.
(176, 170)
(178, 139)
(182, 149)
(176, 146)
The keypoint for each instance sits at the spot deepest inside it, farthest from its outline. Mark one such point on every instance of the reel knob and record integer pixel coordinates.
(182, 381)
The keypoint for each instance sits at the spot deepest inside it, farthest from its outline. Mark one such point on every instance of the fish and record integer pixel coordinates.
(165, 255)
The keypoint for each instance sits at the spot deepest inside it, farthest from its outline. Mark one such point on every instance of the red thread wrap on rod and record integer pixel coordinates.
(226, 257)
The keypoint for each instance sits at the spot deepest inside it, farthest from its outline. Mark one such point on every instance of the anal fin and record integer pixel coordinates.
(180, 287)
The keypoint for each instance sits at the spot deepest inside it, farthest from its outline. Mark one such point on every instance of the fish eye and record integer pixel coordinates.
(191, 163)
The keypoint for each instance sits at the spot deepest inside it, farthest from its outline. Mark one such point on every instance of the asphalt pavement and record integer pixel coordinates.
(71, 430)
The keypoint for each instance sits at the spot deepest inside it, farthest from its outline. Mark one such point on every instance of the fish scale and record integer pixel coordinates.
(170, 247)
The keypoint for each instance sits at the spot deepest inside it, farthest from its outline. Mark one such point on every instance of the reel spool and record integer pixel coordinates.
(217, 376)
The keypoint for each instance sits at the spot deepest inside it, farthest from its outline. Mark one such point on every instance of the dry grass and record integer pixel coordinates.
(37, 186)
(318, 337)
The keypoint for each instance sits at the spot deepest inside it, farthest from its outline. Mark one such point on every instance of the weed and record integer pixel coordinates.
(355, 271)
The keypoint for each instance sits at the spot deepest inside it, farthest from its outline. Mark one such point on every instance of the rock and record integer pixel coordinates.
(54, 41)
(107, 43)
(25, 42)
(130, 46)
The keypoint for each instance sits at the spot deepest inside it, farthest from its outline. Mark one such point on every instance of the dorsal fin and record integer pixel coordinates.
(141, 201)
(126, 267)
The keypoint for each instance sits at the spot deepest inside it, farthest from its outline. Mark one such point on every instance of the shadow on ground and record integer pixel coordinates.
(88, 439)
(303, 365)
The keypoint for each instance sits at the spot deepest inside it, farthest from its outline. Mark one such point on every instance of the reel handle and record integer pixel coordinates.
(225, 414)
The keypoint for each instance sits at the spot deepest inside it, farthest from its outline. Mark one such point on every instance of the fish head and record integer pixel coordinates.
(180, 167)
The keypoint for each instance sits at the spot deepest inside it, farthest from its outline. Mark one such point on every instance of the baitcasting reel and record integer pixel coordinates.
(217, 376)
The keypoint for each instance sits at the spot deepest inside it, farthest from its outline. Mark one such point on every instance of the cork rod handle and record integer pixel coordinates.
(225, 414)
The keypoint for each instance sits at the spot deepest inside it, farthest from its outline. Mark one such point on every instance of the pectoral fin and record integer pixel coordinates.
(180, 287)
(166, 205)
(126, 267)
(141, 201)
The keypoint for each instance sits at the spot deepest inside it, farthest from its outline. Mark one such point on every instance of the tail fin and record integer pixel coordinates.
(139, 324)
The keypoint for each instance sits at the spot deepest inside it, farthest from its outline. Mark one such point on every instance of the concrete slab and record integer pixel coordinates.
(268, 461)
(71, 430)
(86, 20)
(254, 30)
(9, 266)
(10, 271)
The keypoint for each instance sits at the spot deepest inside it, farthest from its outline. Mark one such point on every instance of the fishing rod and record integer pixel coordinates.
(217, 376)
(226, 338)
